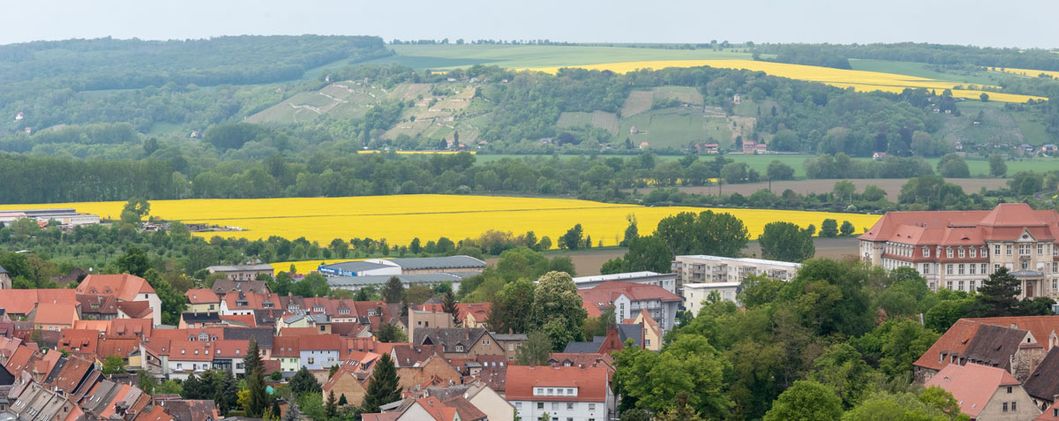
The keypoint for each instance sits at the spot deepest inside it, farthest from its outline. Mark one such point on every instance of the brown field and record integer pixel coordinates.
(892, 186)
(589, 262)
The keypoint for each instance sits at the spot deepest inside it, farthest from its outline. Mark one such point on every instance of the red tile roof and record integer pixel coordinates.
(155, 414)
(190, 351)
(972, 385)
(285, 347)
(82, 340)
(202, 296)
(124, 286)
(591, 383)
(955, 340)
(249, 300)
(20, 360)
(117, 347)
(99, 325)
(130, 328)
(437, 410)
(55, 314)
(72, 373)
(231, 348)
(245, 320)
(479, 310)
(320, 343)
(136, 309)
(1006, 221)
(23, 301)
(299, 331)
(1051, 413)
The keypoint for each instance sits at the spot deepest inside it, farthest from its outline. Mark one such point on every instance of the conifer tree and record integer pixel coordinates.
(384, 386)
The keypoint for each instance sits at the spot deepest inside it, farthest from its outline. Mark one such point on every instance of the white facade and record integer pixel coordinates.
(667, 281)
(715, 269)
(567, 409)
(695, 294)
(318, 359)
(965, 267)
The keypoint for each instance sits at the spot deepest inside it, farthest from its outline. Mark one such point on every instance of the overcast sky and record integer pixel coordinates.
(1021, 23)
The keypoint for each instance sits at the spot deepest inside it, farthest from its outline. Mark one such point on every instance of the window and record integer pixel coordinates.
(974, 252)
(996, 249)
(972, 286)
(926, 268)
(179, 366)
(1008, 248)
(961, 269)
(948, 269)
(996, 267)
(540, 405)
(570, 405)
(961, 285)
(1010, 389)
(1040, 249)
(973, 268)
(1014, 406)
(948, 285)
(1005, 407)
(1025, 264)
(591, 407)
(926, 251)
(983, 268)
(948, 252)
(962, 253)
(311, 360)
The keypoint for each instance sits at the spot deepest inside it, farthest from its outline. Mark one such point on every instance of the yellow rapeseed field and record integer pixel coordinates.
(859, 80)
(400, 218)
(1026, 72)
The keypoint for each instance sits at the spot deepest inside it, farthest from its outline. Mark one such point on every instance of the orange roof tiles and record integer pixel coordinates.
(98, 325)
(82, 340)
(155, 414)
(55, 314)
(23, 301)
(20, 359)
(136, 309)
(591, 383)
(479, 310)
(117, 347)
(320, 343)
(285, 347)
(953, 342)
(245, 320)
(972, 385)
(124, 286)
(130, 328)
(1006, 221)
(202, 296)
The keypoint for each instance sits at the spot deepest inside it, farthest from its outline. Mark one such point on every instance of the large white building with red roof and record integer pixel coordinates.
(564, 393)
(957, 250)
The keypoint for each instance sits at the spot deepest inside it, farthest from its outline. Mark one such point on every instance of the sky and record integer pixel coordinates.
(1018, 23)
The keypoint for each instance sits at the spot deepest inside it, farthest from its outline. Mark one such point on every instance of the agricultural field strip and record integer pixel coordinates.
(857, 79)
(1026, 72)
(399, 219)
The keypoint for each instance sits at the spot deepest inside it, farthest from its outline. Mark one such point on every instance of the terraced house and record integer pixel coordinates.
(957, 250)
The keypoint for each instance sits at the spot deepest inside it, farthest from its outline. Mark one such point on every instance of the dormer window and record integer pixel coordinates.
(459, 348)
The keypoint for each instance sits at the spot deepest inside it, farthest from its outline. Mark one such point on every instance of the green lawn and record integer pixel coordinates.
(521, 56)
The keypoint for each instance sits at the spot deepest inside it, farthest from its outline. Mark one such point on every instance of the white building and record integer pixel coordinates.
(957, 250)
(667, 281)
(695, 294)
(714, 269)
(564, 393)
